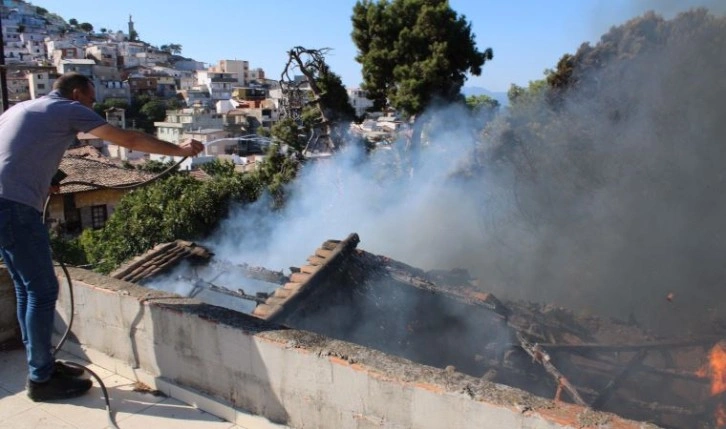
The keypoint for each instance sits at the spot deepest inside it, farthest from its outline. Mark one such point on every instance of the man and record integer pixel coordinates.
(33, 137)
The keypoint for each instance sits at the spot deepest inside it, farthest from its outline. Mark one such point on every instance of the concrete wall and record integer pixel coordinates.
(8, 321)
(294, 377)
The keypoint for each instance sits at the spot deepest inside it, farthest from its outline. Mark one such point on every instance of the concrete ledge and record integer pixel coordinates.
(288, 376)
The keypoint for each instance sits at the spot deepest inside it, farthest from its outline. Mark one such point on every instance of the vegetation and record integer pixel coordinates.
(413, 52)
(176, 207)
(172, 48)
(180, 206)
(615, 160)
(143, 110)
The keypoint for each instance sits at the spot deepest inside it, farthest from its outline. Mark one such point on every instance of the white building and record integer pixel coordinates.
(357, 98)
(219, 84)
(40, 82)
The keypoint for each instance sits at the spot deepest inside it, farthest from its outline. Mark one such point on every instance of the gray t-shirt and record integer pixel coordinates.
(34, 135)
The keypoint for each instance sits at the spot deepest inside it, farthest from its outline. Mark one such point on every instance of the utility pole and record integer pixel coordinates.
(3, 70)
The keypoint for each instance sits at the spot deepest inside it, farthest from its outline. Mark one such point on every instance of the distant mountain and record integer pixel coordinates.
(477, 90)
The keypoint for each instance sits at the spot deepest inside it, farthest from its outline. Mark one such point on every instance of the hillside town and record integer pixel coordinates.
(223, 100)
(223, 105)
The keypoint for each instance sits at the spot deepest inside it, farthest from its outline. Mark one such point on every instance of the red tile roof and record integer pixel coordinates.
(97, 171)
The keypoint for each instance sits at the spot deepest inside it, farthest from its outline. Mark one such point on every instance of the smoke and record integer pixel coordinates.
(608, 204)
(400, 207)
(613, 200)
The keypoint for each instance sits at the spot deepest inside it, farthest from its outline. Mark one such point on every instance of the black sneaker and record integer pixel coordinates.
(68, 370)
(58, 387)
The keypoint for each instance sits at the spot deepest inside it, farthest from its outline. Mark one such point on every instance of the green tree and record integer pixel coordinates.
(133, 35)
(86, 27)
(413, 52)
(335, 98)
(41, 11)
(154, 110)
(218, 168)
(174, 104)
(73, 22)
(177, 207)
(482, 101)
(172, 48)
(110, 103)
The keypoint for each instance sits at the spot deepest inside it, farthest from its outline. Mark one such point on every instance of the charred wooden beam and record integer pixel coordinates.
(665, 344)
(261, 273)
(608, 391)
(259, 297)
(539, 355)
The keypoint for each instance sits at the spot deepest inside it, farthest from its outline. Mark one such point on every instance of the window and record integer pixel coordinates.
(98, 216)
(41, 86)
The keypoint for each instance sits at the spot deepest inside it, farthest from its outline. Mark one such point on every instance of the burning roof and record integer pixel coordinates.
(442, 318)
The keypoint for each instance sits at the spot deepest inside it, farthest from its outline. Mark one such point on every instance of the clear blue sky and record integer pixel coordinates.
(526, 36)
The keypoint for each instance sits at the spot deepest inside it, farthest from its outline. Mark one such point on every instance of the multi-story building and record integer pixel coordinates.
(40, 81)
(219, 84)
(34, 44)
(240, 68)
(117, 116)
(357, 98)
(17, 86)
(257, 75)
(180, 121)
(156, 84)
(65, 52)
(82, 66)
(105, 54)
(196, 97)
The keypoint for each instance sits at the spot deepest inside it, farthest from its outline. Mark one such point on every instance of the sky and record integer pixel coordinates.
(527, 36)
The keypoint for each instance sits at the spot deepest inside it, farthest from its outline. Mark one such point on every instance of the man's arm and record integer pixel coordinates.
(142, 142)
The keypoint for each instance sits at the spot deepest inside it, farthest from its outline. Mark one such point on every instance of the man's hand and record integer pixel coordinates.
(191, 147)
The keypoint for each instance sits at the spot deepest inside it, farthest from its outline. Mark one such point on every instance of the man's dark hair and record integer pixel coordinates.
(70, 81)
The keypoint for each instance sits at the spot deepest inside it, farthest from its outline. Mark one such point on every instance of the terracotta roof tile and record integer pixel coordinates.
(97, 170)
(160, 259)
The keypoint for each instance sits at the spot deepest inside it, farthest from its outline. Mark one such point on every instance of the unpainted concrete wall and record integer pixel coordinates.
(294, 377)
(8, 320)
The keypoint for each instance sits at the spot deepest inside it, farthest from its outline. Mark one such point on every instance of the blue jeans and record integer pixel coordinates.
(25, 248)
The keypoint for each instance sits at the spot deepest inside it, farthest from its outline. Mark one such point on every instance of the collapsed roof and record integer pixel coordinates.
(444, 318)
